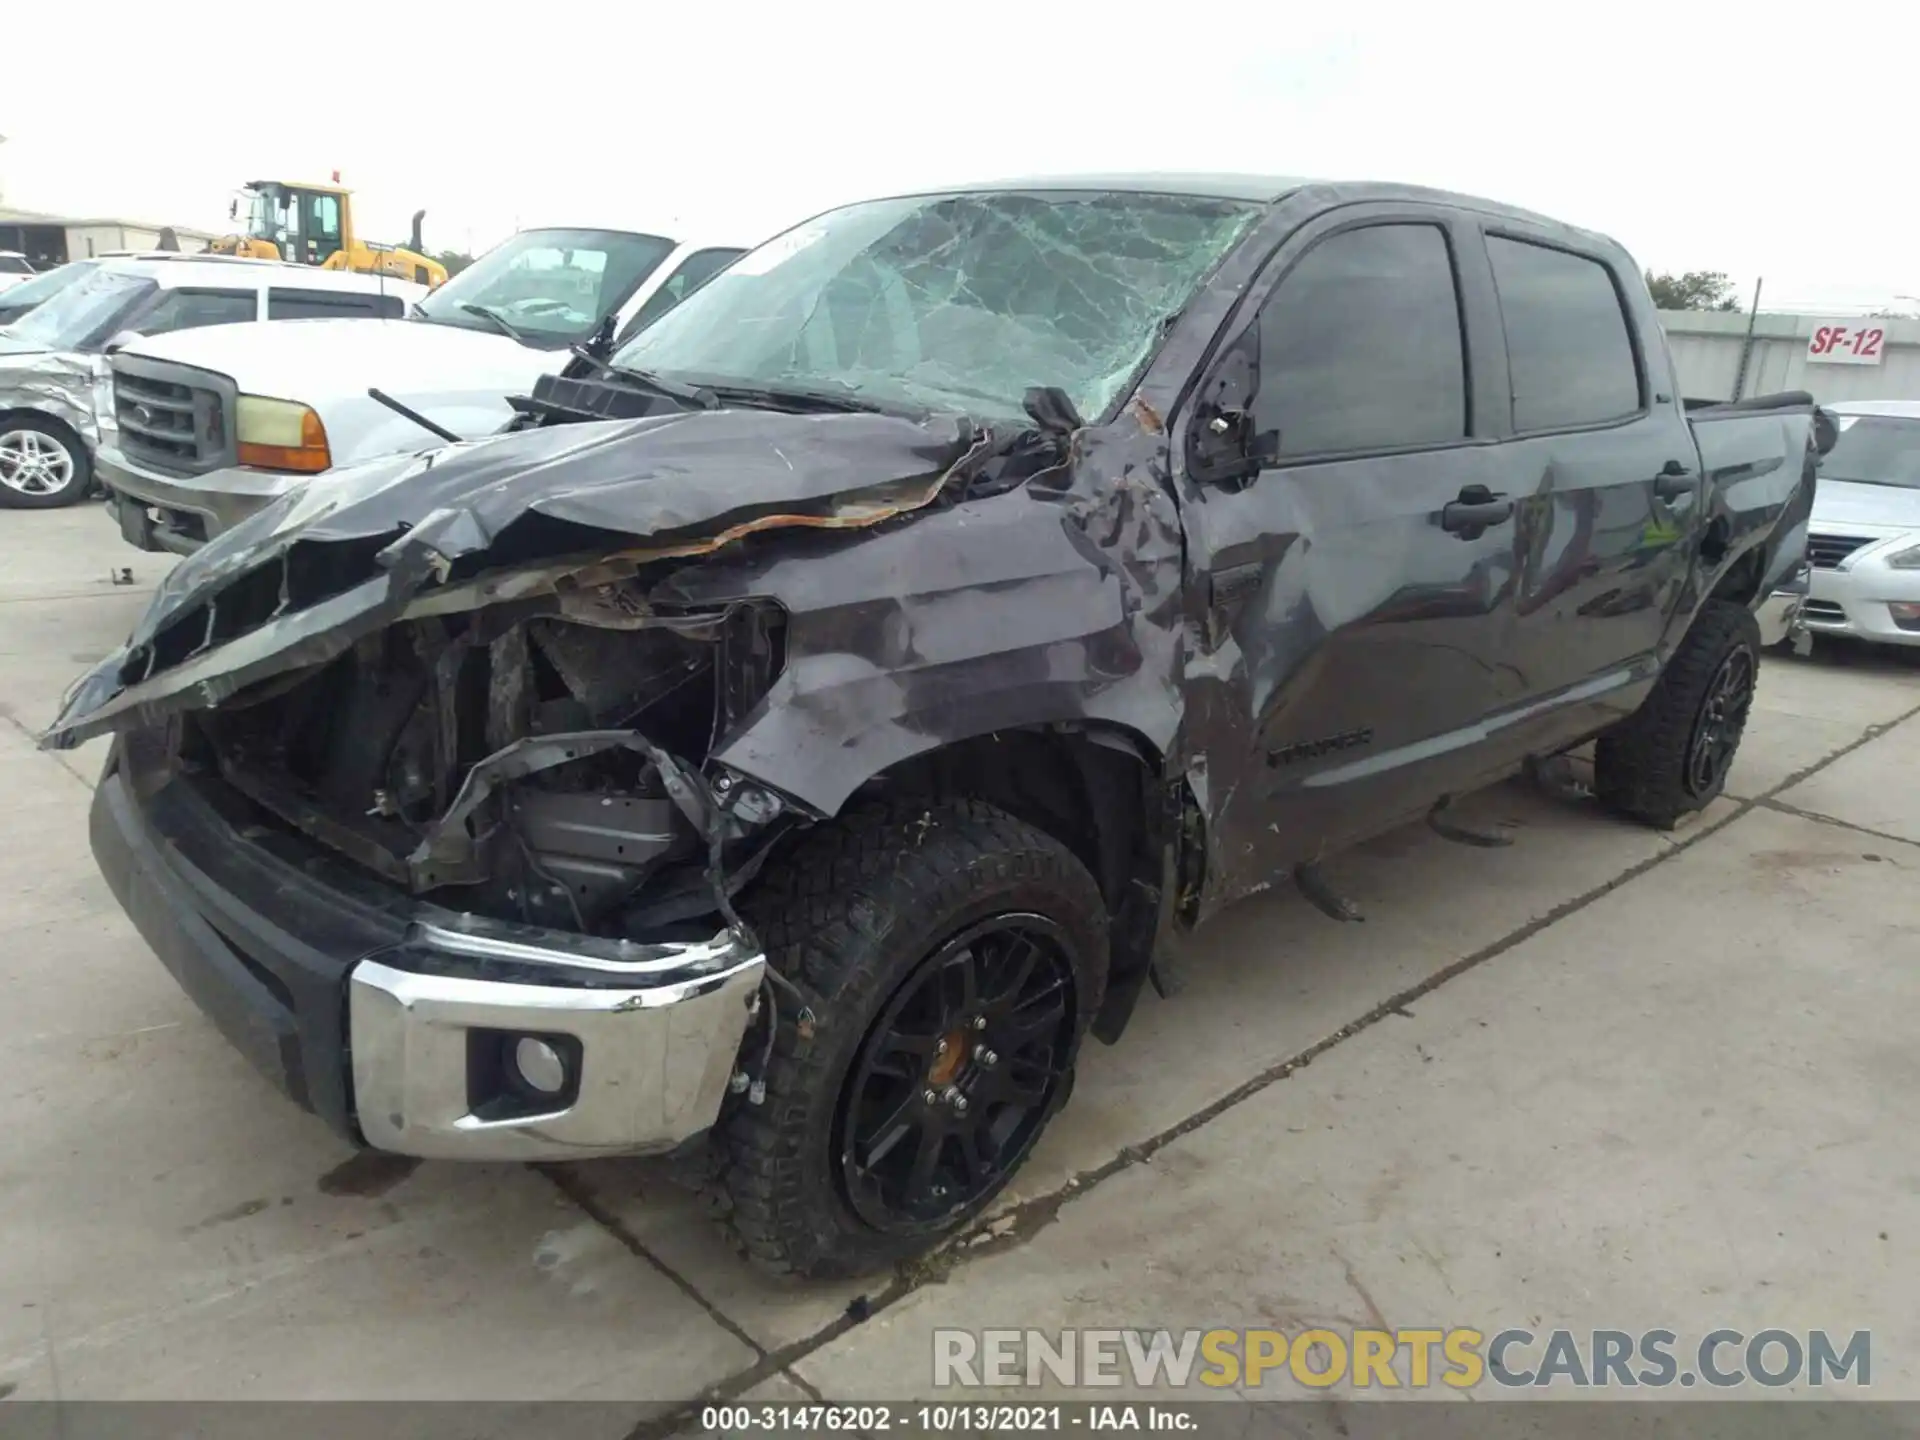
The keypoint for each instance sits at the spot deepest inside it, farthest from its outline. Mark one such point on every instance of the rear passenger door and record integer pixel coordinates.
(1355, 587)
(1604, 477)
(195, 308)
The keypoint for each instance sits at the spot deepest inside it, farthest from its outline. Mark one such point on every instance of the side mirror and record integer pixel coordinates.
(120, 340)
(1826, 430)
(1225, 447)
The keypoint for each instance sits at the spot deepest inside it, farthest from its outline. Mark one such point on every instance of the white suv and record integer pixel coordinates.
(53, 359)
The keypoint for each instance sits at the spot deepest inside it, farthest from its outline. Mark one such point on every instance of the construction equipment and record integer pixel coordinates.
(313, 225)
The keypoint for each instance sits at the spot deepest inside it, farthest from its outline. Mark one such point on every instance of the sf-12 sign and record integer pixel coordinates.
(1858, 342)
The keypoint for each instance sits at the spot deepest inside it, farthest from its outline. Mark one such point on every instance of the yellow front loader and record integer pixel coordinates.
(313, 225)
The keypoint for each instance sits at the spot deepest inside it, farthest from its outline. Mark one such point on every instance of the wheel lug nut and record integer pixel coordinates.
(979, 1022)
(987, 1057)
(960, 1104)
(953, 1097)
(930, 1098)
(940, 1047)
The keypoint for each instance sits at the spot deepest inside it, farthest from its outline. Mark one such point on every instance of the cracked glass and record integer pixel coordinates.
(952, 302)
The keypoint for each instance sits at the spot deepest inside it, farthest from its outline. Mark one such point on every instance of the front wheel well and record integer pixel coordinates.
(1098, 791)
(42, 418)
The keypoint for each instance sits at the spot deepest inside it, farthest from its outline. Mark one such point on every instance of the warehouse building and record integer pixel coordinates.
(1728, 356)
(55, 239)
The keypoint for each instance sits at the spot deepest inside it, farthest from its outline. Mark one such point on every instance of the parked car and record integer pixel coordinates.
(14, 269)
(53, 375)
(490, 332)
(1865, 531)
(789, 743)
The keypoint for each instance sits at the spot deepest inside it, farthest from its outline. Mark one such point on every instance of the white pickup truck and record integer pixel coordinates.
(211, 427)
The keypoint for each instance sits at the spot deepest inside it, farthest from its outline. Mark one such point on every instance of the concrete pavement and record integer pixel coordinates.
(1605, 1077)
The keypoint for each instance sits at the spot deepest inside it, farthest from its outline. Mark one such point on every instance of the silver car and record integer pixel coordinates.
(1864, 537)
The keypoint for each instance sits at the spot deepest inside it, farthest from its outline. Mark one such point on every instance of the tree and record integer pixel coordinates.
(1695, 290)
(454, 260)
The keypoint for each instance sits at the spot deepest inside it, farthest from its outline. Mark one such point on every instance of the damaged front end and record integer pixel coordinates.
(545, 769)
(440, 709)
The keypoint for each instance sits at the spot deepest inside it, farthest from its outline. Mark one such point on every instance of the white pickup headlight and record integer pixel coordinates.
(1905, 559)
(280, 435)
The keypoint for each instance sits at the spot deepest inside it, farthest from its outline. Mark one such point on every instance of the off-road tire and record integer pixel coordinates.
(849, 916)
(1640, 766)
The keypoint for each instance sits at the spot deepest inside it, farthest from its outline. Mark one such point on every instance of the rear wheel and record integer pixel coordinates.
(957, 955)
(43, 464)
(1671, 757)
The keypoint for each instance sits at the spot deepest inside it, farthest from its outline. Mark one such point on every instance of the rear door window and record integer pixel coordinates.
(195, 309)
(285, 304)
(1360, 346)
(1569, 351)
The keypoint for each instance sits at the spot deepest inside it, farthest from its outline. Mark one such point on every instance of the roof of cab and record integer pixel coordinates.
(175, 271)
(1264, 190)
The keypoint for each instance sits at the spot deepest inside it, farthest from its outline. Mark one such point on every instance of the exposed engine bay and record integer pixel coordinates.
(544, 769)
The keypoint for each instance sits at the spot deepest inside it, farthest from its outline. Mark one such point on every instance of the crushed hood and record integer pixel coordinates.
(510, 517)
(305, 359)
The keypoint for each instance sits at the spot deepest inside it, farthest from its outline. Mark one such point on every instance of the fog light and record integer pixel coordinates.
(540, 1066)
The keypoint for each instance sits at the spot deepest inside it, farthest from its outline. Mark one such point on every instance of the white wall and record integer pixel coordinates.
(1706, 352)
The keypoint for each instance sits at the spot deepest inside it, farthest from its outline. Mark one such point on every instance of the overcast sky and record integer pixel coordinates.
(1703, 137)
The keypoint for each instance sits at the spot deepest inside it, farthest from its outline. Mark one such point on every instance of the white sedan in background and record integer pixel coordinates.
(1864, 537)
(15, 268)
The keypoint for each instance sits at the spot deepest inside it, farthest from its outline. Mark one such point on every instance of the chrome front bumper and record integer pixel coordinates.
(656, 1041)
(1858, 598)
(218, 500)
(395, 1024)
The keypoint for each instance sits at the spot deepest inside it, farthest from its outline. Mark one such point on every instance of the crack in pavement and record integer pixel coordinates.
(14, 720)
(1834, 820)
(992, 1235)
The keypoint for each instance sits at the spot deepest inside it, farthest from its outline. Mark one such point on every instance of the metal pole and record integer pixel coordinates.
(1746, 348)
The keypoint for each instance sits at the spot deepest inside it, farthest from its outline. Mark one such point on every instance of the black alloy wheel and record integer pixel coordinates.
(1723, 718)
(956, 1077)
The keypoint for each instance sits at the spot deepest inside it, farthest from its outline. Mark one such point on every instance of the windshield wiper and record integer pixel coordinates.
(697, 396)
(840, 399)
(500, 321)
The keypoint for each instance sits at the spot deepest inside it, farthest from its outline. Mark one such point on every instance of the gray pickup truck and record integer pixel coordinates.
(788, 743)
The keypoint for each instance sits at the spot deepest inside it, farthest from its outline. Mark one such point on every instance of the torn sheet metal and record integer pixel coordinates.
(56, 383)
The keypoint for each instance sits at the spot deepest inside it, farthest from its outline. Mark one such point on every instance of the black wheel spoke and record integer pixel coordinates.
(931, 1139)
(904, 1056)
(894, 1127)
(1021, 1084)
(983, 1153)
(1034, 1020)
(1022, 955)
(960, 986)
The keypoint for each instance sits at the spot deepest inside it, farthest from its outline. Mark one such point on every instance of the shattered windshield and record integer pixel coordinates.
(951, 301)
(29, 293)
(551, 286)
(1875, 450)
(84, 313)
